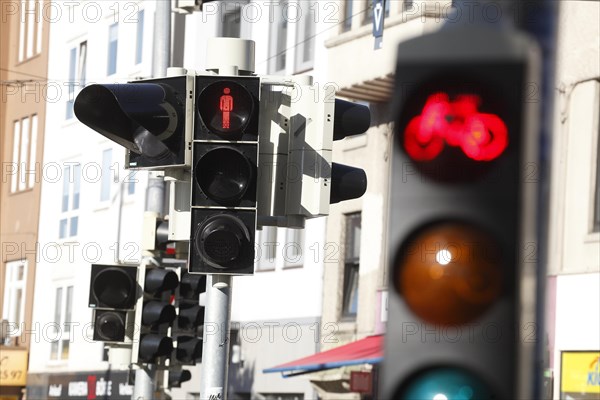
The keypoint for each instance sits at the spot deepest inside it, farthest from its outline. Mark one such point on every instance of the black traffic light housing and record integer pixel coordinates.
(155, 314)
(188, 326)
(113, 295)
(224, 175)
(151, 118)
(460, 213)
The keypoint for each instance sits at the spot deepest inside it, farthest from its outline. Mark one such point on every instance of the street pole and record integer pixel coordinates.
(225, 56)
(145, 377)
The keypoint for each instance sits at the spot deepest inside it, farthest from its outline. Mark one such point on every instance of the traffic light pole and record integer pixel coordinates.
(145, 376)
(215, 341)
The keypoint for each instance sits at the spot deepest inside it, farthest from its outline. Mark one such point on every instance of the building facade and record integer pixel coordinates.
(91, 207)
(23, 82)
(573, 289)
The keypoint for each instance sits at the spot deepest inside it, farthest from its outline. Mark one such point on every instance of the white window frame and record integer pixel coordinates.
(267, 248)
(303, 39)
(77, 77)
(11, 286)
(65, 328)
(274, 36)
(108, 59)
(31, 22)
(25, 133)
(139, 36)
(106, 180)
(70, 179)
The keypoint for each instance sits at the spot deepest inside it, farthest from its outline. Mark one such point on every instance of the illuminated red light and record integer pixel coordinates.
(226, 106)
(457, 123)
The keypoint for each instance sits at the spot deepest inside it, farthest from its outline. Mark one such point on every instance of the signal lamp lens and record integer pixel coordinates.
(455, 122)
(225, 107)
(449, 273)
(114, 287)
(446, 383)
(224, 175)
(110, 326)
(221, 238)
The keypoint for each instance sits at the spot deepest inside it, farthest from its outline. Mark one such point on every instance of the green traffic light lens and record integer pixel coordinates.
(445, 383)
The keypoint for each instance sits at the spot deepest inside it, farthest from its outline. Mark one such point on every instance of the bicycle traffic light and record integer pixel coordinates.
(190, 319)
(225, 156)
(113, 295)
(151, 118)
(154, 314)
(462, 291)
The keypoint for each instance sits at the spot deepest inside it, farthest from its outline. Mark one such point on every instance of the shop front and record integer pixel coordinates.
(113, 385)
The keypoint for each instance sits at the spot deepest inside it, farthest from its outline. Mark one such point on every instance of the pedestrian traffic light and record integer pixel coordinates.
(151, 118)
(113, 295)
(225, 160)
(462, 210)
(190, 319)
(154, 314)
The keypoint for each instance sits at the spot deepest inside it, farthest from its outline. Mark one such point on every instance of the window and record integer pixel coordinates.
(77, 74)
(60, 332)
(130, 182)
(267, 248)
(113, 33)
(347, 22)
(278, 39)
(24, 153)
(105, 182)
(14, 293)
(139, 43)
(351, 265)
(369, 11)
(293, 247)
(69, 221)
(305, 36)
(230, 19)
(30, 29)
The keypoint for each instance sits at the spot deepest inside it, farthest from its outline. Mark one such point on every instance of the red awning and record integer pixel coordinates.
(365, 351)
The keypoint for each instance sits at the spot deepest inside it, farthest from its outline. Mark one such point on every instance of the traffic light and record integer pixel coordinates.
(225, 167)
(113, 295)
(461, 290)
(151, 118)
(190, 319)
(314, 181)
(349, 119)
(155, 313)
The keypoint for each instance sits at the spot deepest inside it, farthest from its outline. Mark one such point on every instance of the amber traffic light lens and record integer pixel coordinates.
(449, 273)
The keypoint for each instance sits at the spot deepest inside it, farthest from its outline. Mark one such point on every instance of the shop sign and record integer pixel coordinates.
(80, 386)
(580, 375)
(13, 366)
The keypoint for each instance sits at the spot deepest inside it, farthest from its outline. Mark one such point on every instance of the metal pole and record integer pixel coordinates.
(144, 385)
(215, 347)
(145, 376)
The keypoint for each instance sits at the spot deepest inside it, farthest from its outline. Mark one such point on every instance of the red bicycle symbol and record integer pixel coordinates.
(458, 123)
